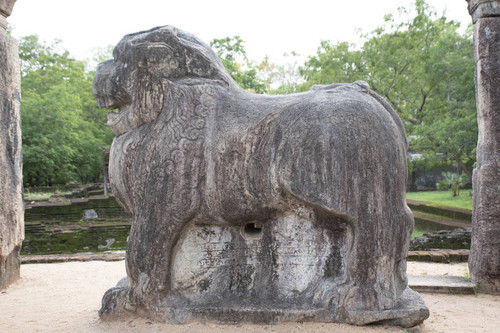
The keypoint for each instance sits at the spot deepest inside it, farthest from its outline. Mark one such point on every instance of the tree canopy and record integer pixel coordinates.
(63, 130)
(233, 55)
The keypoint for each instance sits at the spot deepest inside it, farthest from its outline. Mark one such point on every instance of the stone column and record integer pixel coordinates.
(11, 188)
(484, 260)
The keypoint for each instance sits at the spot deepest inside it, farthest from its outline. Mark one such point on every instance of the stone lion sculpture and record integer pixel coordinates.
(251, 207)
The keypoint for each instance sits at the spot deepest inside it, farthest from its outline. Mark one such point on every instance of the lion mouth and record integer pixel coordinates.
(106, 102)
(113, 118)
(111, 95)
(122, 121)
(118, 121)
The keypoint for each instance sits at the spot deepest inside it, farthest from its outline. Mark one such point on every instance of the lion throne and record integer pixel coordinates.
(253, 208)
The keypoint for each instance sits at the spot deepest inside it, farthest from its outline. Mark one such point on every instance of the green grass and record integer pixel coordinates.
(418, 233)
(444, 198)
(37, 195)
(41, 195)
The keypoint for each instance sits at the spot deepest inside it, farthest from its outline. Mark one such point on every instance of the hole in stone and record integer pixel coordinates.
(252, 229)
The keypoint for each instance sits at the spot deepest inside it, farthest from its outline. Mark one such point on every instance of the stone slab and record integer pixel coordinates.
(57, 258)
(441, 284)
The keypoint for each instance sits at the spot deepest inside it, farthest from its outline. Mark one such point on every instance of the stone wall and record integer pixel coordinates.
(11, 203)
(443, 239)
(105, 207)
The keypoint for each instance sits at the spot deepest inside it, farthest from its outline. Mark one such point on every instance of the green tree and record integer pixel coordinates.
(63, 131)
(334, 63)
(282, 78)
(424, 67)
(233, 55)
(452, 181)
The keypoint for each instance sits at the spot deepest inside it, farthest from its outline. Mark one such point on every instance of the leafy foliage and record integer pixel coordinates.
(424, 67)
(282, 78)
(63, 130)
(233, 55)
(266, 77)
(452, 181)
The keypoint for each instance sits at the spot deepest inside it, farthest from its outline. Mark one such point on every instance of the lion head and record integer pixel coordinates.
(145, 64)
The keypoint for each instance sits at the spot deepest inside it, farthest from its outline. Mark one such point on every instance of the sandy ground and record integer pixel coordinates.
(65, 297)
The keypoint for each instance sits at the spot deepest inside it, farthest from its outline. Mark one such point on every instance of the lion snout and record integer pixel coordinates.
(108, 87)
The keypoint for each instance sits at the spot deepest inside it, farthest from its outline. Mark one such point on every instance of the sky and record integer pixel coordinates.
(268, 27)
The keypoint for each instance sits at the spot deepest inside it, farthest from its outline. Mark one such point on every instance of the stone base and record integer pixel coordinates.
(10, 268)
(288, 269)
(410, 310)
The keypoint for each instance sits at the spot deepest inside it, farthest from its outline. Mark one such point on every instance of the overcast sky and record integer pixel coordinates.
(269, 27)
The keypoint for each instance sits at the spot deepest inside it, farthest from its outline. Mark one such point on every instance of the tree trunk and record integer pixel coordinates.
(464, 168)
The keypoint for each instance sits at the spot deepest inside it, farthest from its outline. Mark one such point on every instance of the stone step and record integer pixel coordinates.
(441, 284)
(451, 213)
(444, 221)
(55, 258)
(440, 255)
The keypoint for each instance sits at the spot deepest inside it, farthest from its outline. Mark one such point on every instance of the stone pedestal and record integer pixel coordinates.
(11, 201)
(484, 260)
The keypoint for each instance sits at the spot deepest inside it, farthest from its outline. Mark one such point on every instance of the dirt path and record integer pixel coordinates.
(65, 297)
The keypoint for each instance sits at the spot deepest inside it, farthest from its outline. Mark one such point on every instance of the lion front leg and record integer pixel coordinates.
(148, 263)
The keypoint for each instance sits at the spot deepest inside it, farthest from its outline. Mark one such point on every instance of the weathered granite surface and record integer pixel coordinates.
(250, 207)
(483, 8)
(484, 260)
(11, 202)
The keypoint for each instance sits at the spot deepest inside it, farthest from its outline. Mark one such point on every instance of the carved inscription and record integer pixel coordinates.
(300, 254)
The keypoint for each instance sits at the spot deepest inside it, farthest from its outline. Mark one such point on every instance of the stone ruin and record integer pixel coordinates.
(11, 195)
(484, 260)
(456, 239)
(253, 208)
